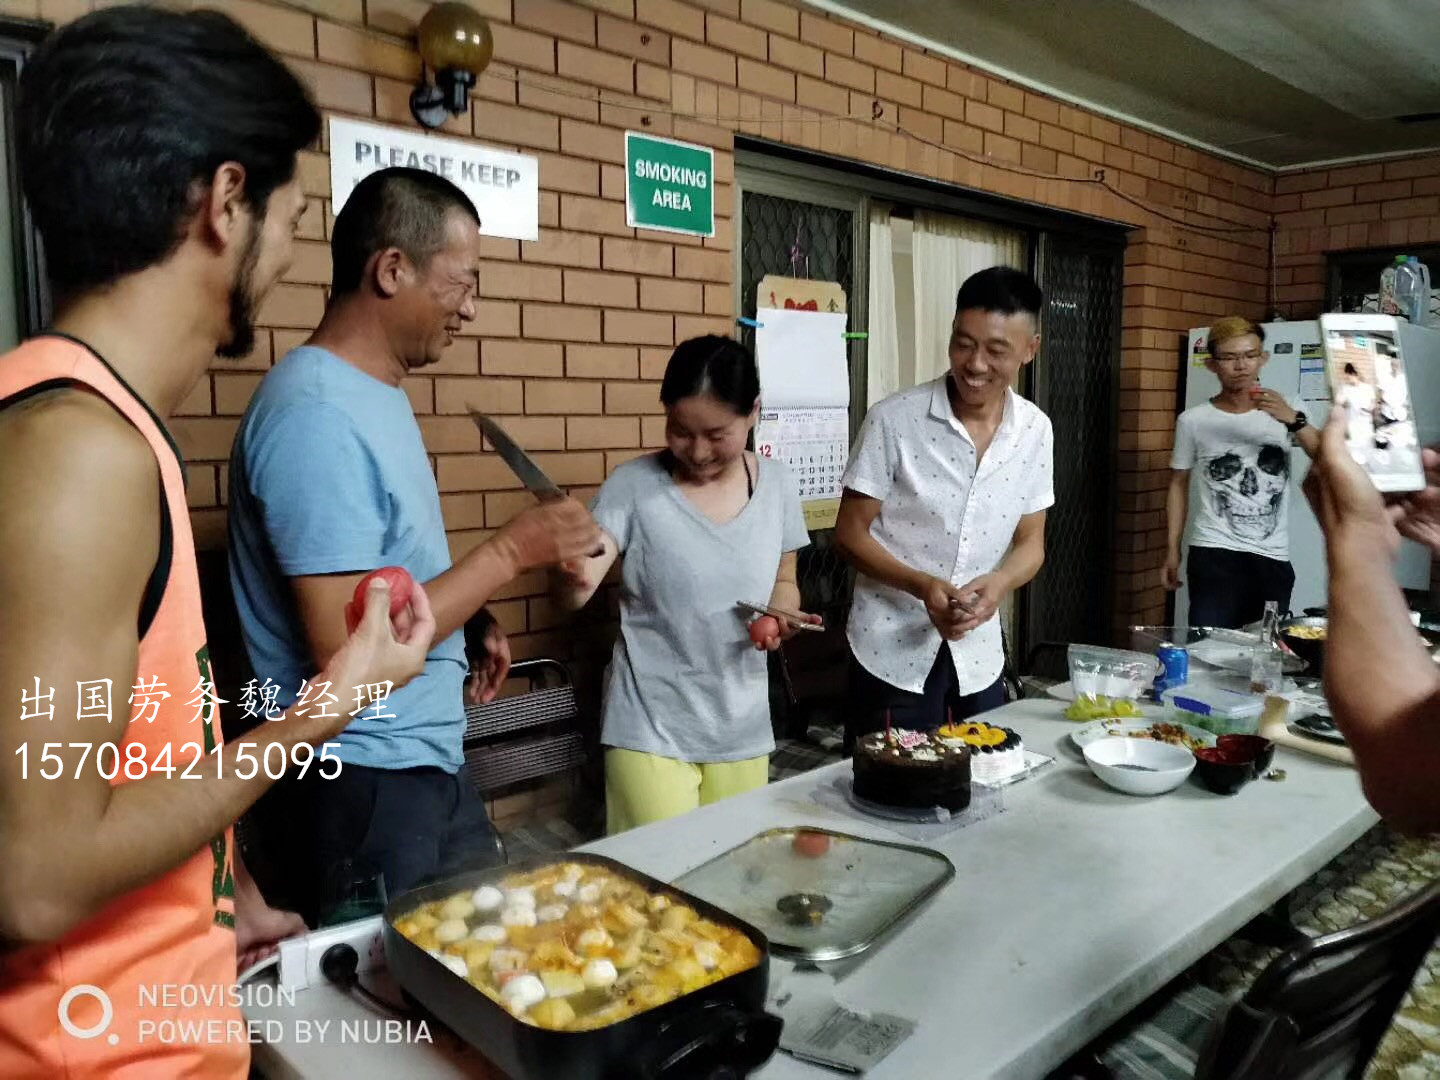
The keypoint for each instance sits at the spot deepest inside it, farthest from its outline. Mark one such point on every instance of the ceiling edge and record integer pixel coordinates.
(882, 26)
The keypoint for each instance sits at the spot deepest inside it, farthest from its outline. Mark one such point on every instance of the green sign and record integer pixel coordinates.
(669, 185)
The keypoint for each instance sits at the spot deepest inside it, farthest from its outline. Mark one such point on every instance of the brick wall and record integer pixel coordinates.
(1389, 204)
(574, 330)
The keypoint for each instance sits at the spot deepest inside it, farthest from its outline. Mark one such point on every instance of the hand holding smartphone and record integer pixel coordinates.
(1366, 372)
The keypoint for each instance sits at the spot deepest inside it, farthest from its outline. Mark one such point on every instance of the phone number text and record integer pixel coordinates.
(111, 762)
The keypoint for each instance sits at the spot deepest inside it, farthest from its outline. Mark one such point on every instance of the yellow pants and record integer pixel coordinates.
(641, 788)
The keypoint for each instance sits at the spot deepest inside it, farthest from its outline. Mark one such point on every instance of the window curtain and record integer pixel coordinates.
(883, 342)
(946, 251)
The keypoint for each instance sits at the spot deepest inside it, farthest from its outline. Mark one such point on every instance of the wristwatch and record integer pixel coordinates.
(1298, 424)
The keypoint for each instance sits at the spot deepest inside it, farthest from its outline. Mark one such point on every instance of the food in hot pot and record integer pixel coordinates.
(572, 948)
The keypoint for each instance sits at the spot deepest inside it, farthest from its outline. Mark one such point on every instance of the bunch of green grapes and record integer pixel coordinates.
(1088, 707)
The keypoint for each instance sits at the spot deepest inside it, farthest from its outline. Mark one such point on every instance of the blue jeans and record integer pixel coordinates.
(871, 698)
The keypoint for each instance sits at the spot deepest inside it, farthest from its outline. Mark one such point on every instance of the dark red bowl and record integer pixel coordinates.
(1223, 772)
(1257, 748)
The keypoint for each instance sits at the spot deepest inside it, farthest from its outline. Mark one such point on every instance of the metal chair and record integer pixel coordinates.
(525, 737)
(1321, 1008)
(1318, 1010)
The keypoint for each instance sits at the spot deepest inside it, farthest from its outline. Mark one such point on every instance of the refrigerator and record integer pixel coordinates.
(1296, 368)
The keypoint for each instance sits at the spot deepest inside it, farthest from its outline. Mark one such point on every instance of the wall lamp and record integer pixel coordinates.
(455, 45)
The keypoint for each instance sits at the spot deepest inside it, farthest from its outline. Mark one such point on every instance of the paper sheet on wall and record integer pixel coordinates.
(813, 444)
(801, 356)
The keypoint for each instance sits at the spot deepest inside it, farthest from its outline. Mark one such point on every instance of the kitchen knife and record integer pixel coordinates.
(521, 464)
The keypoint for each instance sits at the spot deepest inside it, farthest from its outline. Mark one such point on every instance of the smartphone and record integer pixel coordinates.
(1366, 371)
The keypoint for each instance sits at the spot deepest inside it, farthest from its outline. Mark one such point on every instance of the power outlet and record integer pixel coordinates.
(300, 957)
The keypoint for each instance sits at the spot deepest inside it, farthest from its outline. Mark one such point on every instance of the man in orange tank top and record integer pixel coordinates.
(158, 155)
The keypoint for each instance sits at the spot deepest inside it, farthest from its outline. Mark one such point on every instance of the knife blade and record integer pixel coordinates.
(521, 463)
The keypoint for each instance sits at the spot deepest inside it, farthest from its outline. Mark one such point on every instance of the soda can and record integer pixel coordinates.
(1174, 667)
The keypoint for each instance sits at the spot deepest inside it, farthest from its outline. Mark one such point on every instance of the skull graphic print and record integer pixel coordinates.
(1247, 485)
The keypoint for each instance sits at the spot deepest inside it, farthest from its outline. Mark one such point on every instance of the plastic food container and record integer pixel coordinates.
(1225, 712)
(1111, 673)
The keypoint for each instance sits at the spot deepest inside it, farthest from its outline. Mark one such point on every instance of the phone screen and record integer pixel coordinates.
(1367, 381)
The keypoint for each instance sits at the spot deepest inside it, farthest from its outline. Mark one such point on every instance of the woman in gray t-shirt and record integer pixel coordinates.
(702, 526)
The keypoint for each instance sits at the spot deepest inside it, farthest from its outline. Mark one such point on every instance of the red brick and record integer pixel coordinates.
(781, 18)
(521, 358)
(548, 94)
(637, 256)
(701, 265)
(563, 397)
(563, 248)
(652, 82)
(768, 81)
(499, 396)
(984, 116)
(1004, 96)
(601, 432)
(516, 126)
(336, 88)
(351, 48)
(797, 57)
(1410, 208)
(664, 294)
(678, 18)
(1022, 128)
(944, 103)
(633, 398)
(601, 362)
(1038, 158)
(631, 39)
(639, 328)
(1105, 130)
(998, 146)
(735, 37)
(596, 68)
(292, 305)
(703, 62)
(1410, 168)
(719, 300)
(964, 137)
(508, 281)
(878, 51)
(1349, 215)
(564, 20)
(923, 67)
(1057, 138)
(1312, 200)
(592, 141)
(821, 32)
(1389, 189)
(522, 48)
(582, 214)
(561, 323)
(847, 72)
(821, 96)
(899, 88)
(599, 290)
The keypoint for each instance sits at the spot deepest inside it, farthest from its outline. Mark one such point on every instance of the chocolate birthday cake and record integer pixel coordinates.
(911, 769)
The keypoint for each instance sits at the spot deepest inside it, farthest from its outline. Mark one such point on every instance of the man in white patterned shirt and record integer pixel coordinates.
(943, 516)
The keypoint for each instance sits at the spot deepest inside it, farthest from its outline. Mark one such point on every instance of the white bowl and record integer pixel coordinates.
(1154, 767)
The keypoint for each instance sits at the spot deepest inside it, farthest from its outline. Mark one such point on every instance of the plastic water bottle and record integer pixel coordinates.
(1412, 290)
(1387, 287)
(1267, 662)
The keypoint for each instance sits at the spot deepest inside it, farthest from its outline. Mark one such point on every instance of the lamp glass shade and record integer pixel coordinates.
(455, 37)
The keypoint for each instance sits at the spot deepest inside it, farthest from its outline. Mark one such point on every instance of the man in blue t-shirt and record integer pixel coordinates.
(329, 479)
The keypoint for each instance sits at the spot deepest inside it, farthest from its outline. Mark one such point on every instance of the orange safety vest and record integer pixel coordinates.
(163, 956)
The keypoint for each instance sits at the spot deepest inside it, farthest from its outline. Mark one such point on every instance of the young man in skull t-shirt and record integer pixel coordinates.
(1238, 445)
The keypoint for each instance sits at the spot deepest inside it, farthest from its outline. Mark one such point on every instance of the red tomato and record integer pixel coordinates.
(764, 628)
(401, 586)
(811, 844)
